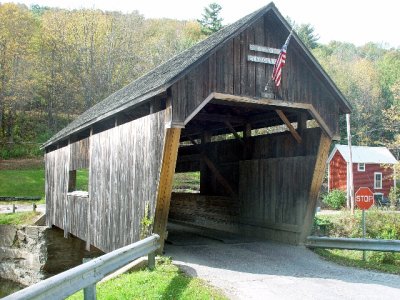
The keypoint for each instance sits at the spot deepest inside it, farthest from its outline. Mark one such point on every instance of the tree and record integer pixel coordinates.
(211, 22)
(17, 30)
(306, 33)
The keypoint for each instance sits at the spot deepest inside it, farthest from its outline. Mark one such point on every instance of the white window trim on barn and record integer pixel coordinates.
(376, 182)
(361, 167)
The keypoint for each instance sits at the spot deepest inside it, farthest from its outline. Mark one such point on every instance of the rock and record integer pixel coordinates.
(29, 254)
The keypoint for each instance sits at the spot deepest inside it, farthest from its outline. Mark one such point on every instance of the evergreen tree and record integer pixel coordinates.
(211, 22)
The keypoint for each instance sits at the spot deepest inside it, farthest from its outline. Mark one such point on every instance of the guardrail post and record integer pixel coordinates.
(89, 292)
(151, 260)
(14, 208)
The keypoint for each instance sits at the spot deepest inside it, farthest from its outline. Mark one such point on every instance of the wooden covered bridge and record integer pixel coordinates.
(176, 119)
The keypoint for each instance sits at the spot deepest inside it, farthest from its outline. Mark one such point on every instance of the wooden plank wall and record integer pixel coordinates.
(273, 184)
(56, 188)
(124, 171)
(214, 212)
(228, 71)
(77, 216)
(274, 193)
(227, 154)
(79, 154)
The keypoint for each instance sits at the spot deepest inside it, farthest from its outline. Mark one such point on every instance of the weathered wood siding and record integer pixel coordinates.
(274, 192)
(228, 71)
(57, 169)
(214, 212)
(227, 154)
(273, 183)
(78, 216)
(124, 171)
(79, 154)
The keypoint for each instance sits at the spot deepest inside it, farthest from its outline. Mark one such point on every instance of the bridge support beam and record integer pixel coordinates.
(165, 186)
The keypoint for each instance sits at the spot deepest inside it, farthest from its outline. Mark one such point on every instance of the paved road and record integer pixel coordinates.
(7, 208)
(271, 270)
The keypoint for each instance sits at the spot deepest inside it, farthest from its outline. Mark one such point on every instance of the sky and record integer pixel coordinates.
(353, 21)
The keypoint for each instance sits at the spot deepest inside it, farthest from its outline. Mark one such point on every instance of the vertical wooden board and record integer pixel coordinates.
(236, 65)
(260, 82)
(220, 70)
(243, 62)
(250, 88)
(229, 67)
(165, 184)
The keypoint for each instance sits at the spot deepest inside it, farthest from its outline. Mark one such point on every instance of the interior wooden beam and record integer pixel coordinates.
(165, 185)
(230, 127)
(247, 130)
(301, 122)
(219, 118)
(218, 175)
(292, 130)
(228, 99)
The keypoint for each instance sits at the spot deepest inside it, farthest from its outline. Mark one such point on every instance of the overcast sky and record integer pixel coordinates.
(354, 21)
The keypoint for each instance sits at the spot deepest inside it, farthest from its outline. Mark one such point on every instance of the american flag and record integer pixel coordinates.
(280, 63)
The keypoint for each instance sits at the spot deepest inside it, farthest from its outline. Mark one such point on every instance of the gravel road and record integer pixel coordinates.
(271, 270)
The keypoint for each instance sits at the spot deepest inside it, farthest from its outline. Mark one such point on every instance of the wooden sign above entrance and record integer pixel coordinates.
(264, 49)
(261, 59)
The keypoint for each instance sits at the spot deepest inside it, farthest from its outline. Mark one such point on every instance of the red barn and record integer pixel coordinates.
(373, 167)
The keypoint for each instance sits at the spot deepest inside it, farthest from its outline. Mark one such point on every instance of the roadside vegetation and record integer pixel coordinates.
(19, 218)
(380, 224)
(166, 281)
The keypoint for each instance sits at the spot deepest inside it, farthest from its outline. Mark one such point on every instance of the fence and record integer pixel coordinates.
(353, 244)
(86, 276)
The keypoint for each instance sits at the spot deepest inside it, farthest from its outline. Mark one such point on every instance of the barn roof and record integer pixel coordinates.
(364, 154)
(162, 77)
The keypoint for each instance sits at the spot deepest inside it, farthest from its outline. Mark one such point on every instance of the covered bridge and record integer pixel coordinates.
(176, 119)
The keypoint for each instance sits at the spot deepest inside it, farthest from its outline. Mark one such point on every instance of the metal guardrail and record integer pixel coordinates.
(86, 276)
(353, 244)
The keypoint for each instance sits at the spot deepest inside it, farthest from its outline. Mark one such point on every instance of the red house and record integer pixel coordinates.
(373, 167)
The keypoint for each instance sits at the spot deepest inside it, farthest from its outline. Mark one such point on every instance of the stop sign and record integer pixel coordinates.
(364, 198)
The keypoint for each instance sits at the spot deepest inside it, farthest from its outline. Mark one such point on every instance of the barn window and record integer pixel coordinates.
(361, 167)
(377, 180)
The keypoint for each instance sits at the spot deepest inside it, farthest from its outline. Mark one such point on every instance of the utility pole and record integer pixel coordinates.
(350, 187)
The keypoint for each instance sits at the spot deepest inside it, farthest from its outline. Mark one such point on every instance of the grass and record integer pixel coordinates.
(30, 182)
(187, 182)
(22, 182)
(352, 258)
(379, 225)
(167, 281)
(21, 218)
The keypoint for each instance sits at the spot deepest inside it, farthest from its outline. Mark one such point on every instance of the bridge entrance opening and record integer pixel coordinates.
(244, 168)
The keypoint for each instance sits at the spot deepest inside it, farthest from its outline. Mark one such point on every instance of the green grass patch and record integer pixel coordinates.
(186, 182)
(167, 281)
(387, 262)
(21, 218)
(379, 225)
(22, 182)
(82, 180)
